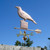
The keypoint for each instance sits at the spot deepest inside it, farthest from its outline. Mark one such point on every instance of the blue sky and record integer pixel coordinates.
(40, 12)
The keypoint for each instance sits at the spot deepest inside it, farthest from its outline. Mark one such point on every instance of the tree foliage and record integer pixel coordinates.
(18, 43)
(45, 47)
(27, 43)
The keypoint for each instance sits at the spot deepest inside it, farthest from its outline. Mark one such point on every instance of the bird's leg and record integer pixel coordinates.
(24, 19)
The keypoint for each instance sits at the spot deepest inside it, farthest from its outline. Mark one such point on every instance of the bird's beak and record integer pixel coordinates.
(16, 7)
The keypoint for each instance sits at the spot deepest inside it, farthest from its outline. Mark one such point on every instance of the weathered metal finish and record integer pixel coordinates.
(23, 24)
(37, 30)
(24, 34)
(24, 15)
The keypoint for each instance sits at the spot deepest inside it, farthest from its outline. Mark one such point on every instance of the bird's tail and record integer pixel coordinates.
(34, 21)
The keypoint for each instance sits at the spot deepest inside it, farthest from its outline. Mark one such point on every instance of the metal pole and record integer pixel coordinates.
(25, 29)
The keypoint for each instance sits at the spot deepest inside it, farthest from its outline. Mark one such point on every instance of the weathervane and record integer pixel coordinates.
(24, 35)
(23, 23)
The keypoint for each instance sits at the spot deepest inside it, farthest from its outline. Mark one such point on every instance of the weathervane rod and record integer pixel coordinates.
(37, 30)
(25, 29)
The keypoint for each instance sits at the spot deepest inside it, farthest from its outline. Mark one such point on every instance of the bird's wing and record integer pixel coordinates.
(26, 15)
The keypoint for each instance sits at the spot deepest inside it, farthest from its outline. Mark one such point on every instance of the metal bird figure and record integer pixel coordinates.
(24, 15)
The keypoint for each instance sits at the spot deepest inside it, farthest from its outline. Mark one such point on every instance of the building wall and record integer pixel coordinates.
(8, 47)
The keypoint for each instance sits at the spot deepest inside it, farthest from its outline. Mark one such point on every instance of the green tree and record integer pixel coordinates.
(23, 44)
(18, 43)
(45, 47)
(27, 43)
